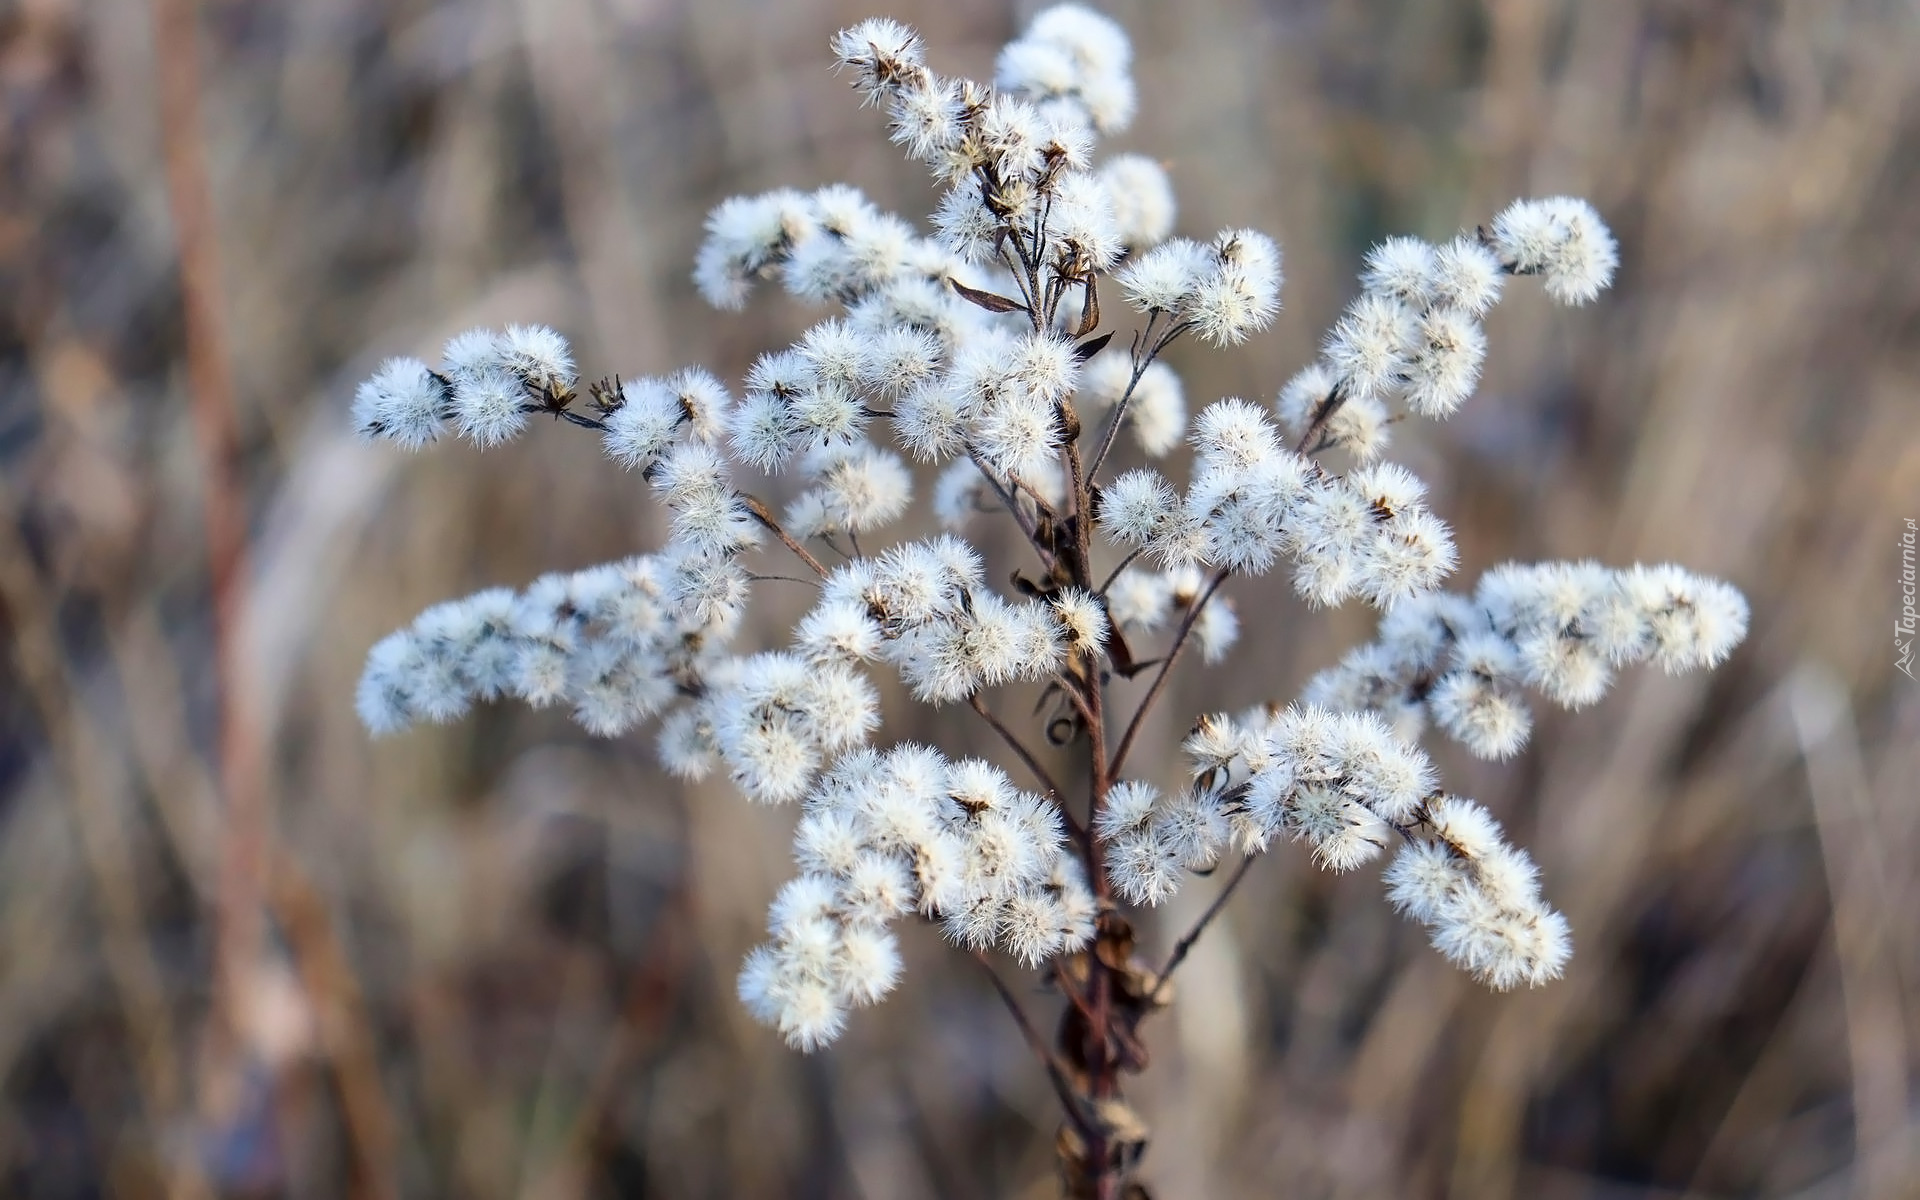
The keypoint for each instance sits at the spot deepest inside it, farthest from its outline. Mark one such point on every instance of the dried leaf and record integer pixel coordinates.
(991, 301)
(1086, 350)
(1089, 313)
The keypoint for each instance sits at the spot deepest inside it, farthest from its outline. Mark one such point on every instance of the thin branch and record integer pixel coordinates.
(1119, 414)
(1074, 996)
(1038, 771)
(1014, 743)
(1185, 944)
(1056, 1074)
(782, 579)
(1012, 504)
(1074, 692)
(1020, 275)
(1328, 407)
(1166, 668)
(1039, 502)
(1028, 276)
(764, 515)
(1126, 562)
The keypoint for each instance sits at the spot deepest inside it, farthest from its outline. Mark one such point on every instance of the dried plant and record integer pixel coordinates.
(984, 349)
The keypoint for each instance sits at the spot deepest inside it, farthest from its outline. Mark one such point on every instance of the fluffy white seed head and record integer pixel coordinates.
(1074, 63)
(1166, 277)
(1410, 555)
(1371, 345)
(876, 888)
(1423, 875)
(838, 631)
(927, 116)
(1240, 294)
(880, 54)
(1692, 621)
(1128, 806)
(748, 239)
(474, 352)
(1402, 269)
(1158, 412)
(1096, 43)
(645, 425)
(1561, 239)
(1303, 396)
(703, 400)
(1017, 433)
(1570, 670)
(1444, 366)
(810, 1013)
(965, 225)
(1236, 435)
(1142, 868)
(1082, 618)
(1343, 834)
(1142, 198)
(861, 487)
(1466, 275)
(402, 402)
(868, 965)
(1140, 600)
(801, 902)
(1216, 629)
(540, 357)
(1136, 506)
(1046, 366)
(1491, 721)
(899, 359)
(1081, 223)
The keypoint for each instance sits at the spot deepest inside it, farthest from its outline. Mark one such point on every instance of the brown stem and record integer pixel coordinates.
(1074, 688)
(1040, 504)
(242, 771)
(1056, 1073)
(328, 977)
(1033, 764)
(1185, 944)
(1166, 667)
(1328, 407)
(1119, 414)
(1080, 562)
(764, 515)
(1097, 1051)
(1012, 505)
(1020, 275)
(1114, 575)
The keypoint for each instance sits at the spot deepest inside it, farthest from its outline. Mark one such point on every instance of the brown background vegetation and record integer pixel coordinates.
(500, 955)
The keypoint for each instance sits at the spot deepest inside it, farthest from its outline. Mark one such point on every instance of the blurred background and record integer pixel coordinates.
(496, 959)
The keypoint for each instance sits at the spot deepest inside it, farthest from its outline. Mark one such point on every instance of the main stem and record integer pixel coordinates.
(1101, 1175)
(1103, 1080)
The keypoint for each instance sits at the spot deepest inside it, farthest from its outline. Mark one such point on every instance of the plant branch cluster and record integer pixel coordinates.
(982, 351)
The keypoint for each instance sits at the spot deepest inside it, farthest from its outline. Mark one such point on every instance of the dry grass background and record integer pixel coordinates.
(499, 956)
